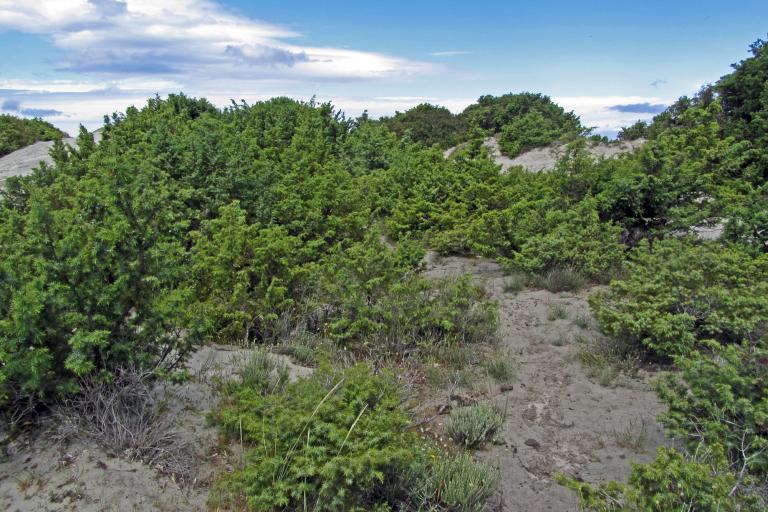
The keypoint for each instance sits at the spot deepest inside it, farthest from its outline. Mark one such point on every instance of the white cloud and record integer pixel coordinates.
(596, 110)
(187, 38)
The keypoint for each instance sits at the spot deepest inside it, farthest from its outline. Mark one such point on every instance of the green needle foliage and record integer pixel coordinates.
(334, 441)
(16, 133)
(681, 293)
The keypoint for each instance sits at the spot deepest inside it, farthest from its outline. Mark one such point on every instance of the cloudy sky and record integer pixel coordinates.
(612, 62)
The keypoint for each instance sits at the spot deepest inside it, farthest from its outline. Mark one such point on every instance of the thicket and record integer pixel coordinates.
(428, 124)
(700, 305)
(189, 223)
(16, 133)
(338, 440)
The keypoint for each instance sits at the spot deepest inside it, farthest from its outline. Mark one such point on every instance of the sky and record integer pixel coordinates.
(612, 62)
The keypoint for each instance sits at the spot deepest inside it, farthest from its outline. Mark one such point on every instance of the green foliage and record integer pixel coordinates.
(670, 482)
(524, 121)
(246, 273)
(427, 124)
(501, 367)
(639, 130)
(720, 401)
(333, 441)
(474, 425)
(16, 133)
(456, 483)
(682, 293)
(373, 301)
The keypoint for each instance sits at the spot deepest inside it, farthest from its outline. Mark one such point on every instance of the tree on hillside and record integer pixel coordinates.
(428, 124)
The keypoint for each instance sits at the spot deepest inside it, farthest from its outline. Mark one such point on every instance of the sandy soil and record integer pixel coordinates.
(558, 420)
(545, 159)
(22, 161)
(36, 474)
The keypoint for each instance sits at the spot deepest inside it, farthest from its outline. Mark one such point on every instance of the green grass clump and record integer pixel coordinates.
(557, 312)
(604, 359)
(560, 280)
(474, 425)
(460, 483)
(501, 368)
(261, 371)
(515, 282)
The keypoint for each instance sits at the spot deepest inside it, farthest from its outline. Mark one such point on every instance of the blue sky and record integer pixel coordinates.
(72, 61)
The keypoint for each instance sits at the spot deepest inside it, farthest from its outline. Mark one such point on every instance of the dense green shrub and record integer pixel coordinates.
(720, 401)
(670, 482)
(333, 441)
(428, 124)
(92, 275)
(524, 120)
(374, 301)
(16, 133)
(681, 293)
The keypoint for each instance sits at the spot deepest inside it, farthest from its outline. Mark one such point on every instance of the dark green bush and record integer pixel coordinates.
(720, 401)
(682, 293)
(671, 482)
(16, 133)
(334, 441)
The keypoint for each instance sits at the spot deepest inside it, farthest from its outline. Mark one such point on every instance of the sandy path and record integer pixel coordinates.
(558, 420)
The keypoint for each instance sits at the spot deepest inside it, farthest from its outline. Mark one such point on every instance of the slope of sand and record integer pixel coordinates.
(22, 161)
(546, 158)
(37, 474)
(558, 420)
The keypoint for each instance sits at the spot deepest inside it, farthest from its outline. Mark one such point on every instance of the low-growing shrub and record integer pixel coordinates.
(671, 482)
(333, 441)
(375, 303)
(474, 425)
(682, 293)
(720, 400)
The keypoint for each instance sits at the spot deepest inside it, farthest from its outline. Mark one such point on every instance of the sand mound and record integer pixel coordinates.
(22, 161)
(546, 158)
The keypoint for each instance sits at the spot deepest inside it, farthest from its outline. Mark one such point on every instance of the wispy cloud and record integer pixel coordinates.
(640, 108)
(658, 82)
(197, 38)
(601, 111)
(14, 106)
(450, 53)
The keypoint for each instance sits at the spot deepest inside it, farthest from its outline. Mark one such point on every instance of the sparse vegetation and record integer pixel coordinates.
(557, 311)
(500, 367)
(515, 282)
(474, 425)
(633, 435)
